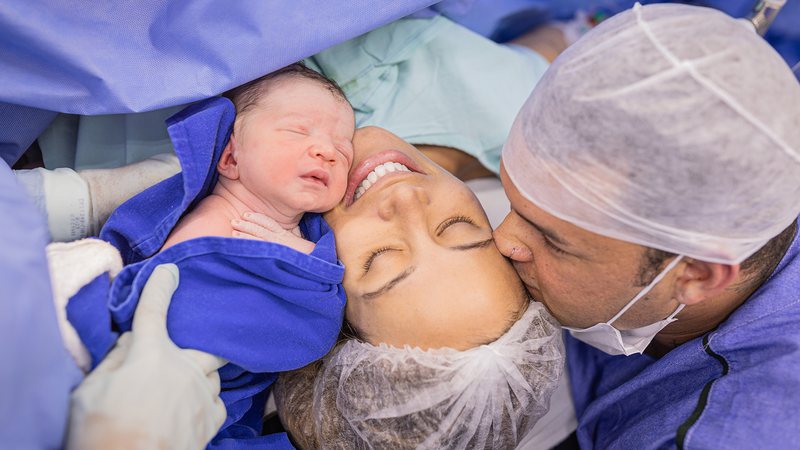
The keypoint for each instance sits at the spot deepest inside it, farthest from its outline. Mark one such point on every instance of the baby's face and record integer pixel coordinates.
(294, 148)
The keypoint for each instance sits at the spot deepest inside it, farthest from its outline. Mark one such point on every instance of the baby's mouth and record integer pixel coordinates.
(317, 176)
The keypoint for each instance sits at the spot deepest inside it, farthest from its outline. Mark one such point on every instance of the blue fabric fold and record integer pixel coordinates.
(90, 318)
(264, 307)
(199, 132)
(37, 373)
(134, 57)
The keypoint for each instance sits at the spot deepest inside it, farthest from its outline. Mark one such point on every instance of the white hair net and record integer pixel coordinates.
(670, 126)
(367, 396)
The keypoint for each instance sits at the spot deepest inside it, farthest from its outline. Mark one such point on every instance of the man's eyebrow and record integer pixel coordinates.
(472, 245)
(552, 235)
(392, 283)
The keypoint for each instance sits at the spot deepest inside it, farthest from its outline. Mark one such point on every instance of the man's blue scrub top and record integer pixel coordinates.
(735, 387)
(264, 307)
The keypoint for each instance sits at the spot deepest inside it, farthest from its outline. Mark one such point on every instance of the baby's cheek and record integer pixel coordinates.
(340, 182)
(336, 191)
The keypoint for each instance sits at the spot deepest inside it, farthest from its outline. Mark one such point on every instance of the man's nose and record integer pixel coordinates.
(404, 200)
(507, 242)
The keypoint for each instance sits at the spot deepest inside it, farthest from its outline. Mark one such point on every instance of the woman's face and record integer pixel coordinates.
(421, 266)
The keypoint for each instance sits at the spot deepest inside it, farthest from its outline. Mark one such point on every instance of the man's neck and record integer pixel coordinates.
(698, 319)
(239, 200)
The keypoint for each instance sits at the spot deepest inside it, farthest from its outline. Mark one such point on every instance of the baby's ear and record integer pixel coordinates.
(227, 165)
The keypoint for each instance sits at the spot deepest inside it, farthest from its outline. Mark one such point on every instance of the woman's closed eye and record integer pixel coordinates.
(449, 222)
(469, 241)
(373, 255)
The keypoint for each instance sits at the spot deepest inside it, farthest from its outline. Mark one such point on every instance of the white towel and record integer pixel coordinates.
(73, 265)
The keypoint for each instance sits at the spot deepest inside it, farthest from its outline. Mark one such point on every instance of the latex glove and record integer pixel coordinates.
(148, 393)
(261, 227)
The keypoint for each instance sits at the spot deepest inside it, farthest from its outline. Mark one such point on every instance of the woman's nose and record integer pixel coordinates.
(404, 200)
(509, 245)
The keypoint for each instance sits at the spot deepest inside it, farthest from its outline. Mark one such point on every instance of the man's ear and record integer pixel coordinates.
(701, 280)
(227, 165)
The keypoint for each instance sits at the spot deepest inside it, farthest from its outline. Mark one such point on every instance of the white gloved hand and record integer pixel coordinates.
(77, 204)
(109, 188)
(148, 393)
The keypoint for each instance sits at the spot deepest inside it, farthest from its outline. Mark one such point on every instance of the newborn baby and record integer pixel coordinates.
(289, 154)
(281, 148)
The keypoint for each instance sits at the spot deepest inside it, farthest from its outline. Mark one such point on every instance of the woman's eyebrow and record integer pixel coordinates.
(392, 283)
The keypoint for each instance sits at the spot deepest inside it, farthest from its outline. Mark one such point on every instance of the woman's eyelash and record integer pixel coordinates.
(374, 255)
(454, 220)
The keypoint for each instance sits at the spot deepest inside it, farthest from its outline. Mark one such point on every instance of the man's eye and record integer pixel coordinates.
(552, 246)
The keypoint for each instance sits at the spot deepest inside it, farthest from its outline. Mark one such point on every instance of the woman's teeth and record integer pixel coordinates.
(372, 178)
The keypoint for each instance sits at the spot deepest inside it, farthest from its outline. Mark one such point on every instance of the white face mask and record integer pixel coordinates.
(626, 342)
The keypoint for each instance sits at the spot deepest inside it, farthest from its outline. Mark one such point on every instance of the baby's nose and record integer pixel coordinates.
(324, 151)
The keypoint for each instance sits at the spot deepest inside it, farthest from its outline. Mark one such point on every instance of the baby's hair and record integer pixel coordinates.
(246, 96)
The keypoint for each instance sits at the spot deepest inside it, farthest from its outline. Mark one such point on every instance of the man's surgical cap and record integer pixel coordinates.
(367, 396)
(670, 126)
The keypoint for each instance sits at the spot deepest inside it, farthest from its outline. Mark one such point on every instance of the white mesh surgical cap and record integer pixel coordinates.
(670, 126)
(376, 397)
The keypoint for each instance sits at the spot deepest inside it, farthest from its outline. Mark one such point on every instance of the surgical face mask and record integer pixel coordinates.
(626, 342)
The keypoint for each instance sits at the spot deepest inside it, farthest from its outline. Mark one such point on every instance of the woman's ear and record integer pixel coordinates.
(701, 280)
(227, 165)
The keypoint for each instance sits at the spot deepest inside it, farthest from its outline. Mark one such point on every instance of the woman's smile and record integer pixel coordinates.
(375, 170)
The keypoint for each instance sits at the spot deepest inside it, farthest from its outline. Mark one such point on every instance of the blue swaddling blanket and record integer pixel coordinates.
(264, 307)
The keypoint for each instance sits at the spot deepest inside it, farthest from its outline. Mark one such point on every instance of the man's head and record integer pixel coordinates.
(292, 140)
(666, 130)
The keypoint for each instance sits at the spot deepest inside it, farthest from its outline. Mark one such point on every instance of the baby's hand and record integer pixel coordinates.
(260, 227)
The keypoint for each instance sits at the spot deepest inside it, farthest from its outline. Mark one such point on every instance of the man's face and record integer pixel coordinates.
(583, 278)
